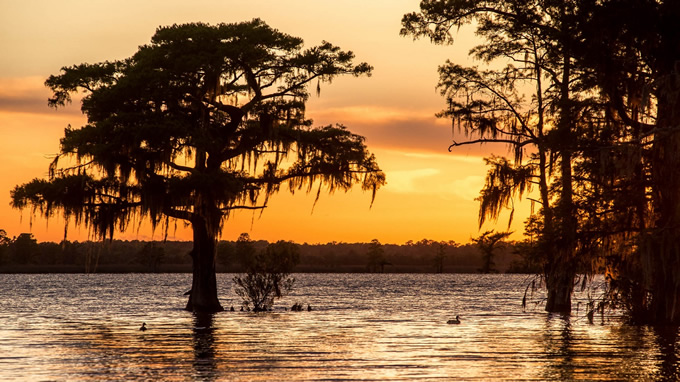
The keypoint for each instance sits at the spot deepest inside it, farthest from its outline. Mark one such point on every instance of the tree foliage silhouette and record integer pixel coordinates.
(534, 106)
(376, 257)
(5, 242)
(602, 124)
(4, 239)
(203, 121)
(636, 208)
(487, 243)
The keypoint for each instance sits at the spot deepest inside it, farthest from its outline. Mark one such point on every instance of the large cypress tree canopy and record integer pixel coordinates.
(201, 121)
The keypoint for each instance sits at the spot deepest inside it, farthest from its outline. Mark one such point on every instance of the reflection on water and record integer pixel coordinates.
(667, 341)
(364, 327)
(558, 345)
(205, 360)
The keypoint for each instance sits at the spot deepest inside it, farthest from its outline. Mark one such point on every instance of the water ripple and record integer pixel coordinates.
(363, 327)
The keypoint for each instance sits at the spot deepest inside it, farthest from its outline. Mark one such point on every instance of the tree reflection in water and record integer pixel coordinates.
(667, 341)
(62, 332)
(205, 361)
(558, 341)
(613, 352)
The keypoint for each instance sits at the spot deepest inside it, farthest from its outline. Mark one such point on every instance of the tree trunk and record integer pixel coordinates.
(661, 256)
(559, 279)
(203, 296)
(660, 259)
(561, 237)
(560, 273)
(559, 270)
(560, 285)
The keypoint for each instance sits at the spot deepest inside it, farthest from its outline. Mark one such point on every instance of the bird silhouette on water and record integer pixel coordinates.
(143, 328)
(454, 321)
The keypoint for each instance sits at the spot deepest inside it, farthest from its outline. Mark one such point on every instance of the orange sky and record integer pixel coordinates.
(429, 193)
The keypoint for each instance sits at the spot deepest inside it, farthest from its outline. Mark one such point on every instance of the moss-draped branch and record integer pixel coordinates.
(201, 121)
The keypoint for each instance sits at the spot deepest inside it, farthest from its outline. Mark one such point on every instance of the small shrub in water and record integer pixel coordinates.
(267, 275)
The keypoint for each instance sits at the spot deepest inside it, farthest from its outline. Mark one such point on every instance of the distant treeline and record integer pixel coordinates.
(25, 254)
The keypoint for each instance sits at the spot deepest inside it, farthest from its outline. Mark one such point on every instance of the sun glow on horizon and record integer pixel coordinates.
(430, 192)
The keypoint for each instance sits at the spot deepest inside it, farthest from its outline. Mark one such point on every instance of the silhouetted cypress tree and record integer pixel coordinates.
(202, 121)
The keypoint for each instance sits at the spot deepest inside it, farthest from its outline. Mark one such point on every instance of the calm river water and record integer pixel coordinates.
(362, 327)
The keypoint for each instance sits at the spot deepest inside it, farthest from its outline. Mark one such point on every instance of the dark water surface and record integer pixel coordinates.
(363, 327)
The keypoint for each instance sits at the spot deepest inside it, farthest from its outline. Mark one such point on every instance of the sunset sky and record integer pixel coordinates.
(430, 192)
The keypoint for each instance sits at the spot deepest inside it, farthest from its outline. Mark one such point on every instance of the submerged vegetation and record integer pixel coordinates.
(267, 275)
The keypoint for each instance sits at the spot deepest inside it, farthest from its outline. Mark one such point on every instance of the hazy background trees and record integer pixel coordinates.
(489, 243)
(376, 257)
(423, 256)
(4, 245)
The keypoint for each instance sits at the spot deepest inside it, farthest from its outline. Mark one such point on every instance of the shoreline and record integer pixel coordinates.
(180, 268)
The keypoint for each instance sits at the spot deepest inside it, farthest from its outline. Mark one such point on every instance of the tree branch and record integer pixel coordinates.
(179, 214)
(243, 208)
(484, 140)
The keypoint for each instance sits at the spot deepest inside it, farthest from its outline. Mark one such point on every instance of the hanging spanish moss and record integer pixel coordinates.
(203, 121)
